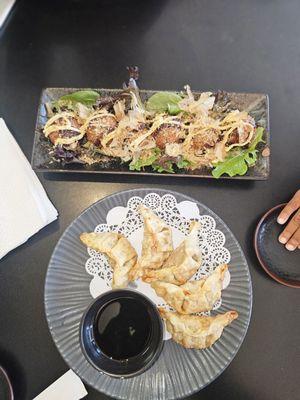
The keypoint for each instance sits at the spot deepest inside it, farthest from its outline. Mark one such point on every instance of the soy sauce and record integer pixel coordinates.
(122, 328)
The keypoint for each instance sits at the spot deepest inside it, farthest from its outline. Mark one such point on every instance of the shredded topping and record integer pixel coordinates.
(193, 136)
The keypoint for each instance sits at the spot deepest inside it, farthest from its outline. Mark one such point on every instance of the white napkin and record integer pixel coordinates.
(67, 387)
(24, 205)
(5, 7)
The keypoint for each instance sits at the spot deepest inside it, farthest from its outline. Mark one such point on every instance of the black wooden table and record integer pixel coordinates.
(237, 46)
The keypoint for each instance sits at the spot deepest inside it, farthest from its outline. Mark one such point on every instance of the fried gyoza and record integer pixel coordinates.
(121, 254)
(195, 296)
(194, 332)
(182, 263)
(157, 243)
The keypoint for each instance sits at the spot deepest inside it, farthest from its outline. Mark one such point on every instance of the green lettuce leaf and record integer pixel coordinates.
(238, 163)
(87, 97)
(258, 139)
(168, 168)
(164, 102)
(144, 162)
(173, 109)
(183, 163)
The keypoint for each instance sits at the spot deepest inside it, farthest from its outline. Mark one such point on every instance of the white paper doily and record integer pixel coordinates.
(127, 221)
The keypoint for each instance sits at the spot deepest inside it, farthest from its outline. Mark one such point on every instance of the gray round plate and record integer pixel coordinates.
(178, 372)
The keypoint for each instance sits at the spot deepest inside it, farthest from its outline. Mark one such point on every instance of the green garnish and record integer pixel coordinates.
(144, 162)
(173, 109)
(164, 102)
(167, 168)
(183, 163)
(86, 97)
(87, 145)
(92, 148)
(237, 163)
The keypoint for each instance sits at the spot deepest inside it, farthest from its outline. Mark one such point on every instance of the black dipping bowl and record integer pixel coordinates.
(281, 264)
(127, 364)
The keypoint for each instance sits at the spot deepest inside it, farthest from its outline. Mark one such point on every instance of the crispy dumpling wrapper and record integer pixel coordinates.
(118, 249)
(195, 296)
(182, 263)
(157, 243)
(196, 332)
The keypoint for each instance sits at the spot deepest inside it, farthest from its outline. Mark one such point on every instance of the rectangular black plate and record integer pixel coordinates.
(256, 104)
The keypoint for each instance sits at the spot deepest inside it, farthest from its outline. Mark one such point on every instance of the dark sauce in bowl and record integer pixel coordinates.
(122, 328)
(121, 333)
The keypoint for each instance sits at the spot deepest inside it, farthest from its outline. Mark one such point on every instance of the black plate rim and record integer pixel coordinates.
(8, 381)
(287, 282)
